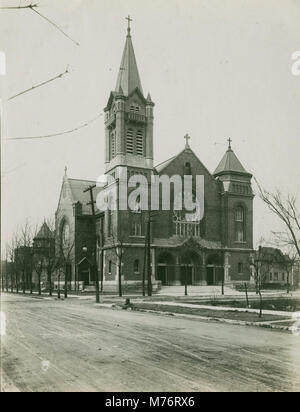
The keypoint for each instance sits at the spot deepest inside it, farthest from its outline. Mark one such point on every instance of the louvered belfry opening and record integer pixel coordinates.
(129, 141)
(139, 143)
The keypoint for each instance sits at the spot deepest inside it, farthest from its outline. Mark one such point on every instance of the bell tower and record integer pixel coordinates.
(128, 117)
(236, 201)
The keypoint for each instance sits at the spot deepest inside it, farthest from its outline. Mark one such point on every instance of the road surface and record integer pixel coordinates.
(74, 345)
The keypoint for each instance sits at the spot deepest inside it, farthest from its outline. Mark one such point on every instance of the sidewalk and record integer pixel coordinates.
(211, 307)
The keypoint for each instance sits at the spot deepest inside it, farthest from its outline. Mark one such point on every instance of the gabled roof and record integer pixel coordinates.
(164, 164)
(44, 232)
(128, 77)
(271, 254)
(77, 187)
(160, 167)
(230, 163)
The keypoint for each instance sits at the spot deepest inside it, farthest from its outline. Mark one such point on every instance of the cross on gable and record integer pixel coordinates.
(187, 138)
(229, 141)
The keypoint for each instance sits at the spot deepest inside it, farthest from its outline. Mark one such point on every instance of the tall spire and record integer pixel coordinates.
(128, 78)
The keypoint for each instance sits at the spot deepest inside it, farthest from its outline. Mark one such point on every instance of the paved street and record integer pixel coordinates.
(75, 346)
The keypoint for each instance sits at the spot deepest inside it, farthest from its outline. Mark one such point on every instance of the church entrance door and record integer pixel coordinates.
(187, 274)
(85, 277)
(210, 272)
(162, 274)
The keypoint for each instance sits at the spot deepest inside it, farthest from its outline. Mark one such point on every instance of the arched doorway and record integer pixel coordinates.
(190, 268)
(165, 268)
(214, 269)
(85, 274)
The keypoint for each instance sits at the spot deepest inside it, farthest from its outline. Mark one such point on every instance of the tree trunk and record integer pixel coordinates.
(58, 286)
(50, 283)
(31, 286)
(120, 280)
(185, 282)
(288, 283)
(24, 282)
(260, 303)
(222, 289)
(39, 285)
(246, 292)
(66, 282)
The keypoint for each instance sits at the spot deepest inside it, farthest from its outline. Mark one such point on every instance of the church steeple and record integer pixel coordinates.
(129, 117)
(128, 77)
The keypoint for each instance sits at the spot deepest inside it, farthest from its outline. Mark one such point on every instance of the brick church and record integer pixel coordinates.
(199, 252)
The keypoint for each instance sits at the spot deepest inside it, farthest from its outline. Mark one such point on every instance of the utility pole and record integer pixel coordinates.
(148, 248)
(1, 125)
(101, 251)
(148, 253)
(144, 268)
(185, 281)
(94, 257)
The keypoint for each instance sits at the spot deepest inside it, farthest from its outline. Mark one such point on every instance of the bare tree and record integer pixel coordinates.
(65, 260)
(291, 257)
(23, 256)
(50, 259)
(11, 258)
(38, 266)
(260, 265)
(286, 209)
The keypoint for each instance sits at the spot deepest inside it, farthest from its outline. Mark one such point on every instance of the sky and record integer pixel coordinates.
(215, 69)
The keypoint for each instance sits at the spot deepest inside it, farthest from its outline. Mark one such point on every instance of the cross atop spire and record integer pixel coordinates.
(229, 143)
(129, 19)
(187, 138)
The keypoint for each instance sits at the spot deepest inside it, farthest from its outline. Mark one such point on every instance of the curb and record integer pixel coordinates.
(198, 317)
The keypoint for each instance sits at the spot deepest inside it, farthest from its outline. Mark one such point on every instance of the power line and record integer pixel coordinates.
(59, 76)
(56, 26)
(33, 8)
(28, 6)
(56, 134)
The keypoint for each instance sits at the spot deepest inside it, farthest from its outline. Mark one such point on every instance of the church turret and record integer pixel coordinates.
(237, 201)
(129, 117)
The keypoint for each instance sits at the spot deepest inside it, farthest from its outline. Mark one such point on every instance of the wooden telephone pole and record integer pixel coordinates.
(147, 256)
(94, 252)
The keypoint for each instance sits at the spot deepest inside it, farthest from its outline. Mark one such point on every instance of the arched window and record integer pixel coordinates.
(109, 266)
(136, 266)
(129, 141)
(65, 234)
(239, 214)
(139, 143)
(239, 217)
(187, 168)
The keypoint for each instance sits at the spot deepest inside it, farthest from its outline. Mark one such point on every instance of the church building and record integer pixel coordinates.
(202, 252)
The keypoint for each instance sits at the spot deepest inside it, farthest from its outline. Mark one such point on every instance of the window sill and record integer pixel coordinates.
(136, 236)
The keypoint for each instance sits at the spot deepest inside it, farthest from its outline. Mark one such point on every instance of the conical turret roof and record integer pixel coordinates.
(230, 163)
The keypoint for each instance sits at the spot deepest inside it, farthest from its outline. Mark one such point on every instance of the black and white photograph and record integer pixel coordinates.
(150, 198)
